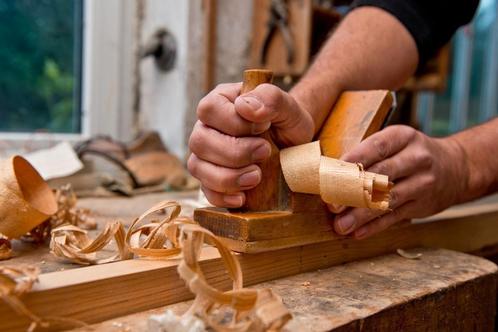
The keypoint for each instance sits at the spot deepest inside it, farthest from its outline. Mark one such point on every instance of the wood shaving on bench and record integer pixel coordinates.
(67, 213)
(171, 235)
(237, 310)
(153, 239)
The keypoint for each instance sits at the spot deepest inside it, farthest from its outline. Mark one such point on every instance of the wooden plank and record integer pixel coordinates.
(442, 291)
(102, 292)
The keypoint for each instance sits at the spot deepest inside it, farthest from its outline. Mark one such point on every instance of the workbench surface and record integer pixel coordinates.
(442, 291)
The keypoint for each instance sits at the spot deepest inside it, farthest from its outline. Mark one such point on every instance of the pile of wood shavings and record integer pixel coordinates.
(237, 310)
(67, 214)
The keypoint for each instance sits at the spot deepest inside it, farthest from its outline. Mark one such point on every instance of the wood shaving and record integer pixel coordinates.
(152, 239)
(67, 213)
(236, 310)
(337, 182)
(408, 255)
(72, 243)
(246, 309)
(5, 249)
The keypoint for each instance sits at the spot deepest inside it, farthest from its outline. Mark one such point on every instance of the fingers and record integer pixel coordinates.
(353, 219)
(217, 111)
(407, 162)
(220, 149)
(269, 104)
(385, 221)
(222, 179)
(233, 200)
(381, 145)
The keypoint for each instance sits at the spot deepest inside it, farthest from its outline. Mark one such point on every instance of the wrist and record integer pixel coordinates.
(462, 169)
(316, 98)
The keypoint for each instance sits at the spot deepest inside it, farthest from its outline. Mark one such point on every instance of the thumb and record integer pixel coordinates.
(290, 123)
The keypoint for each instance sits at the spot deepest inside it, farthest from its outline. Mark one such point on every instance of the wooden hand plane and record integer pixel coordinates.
(273, 217)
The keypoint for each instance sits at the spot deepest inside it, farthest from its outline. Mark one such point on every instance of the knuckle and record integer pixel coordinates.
(429, 180)
(409, 132)
(424, 158)
(196, 140)
(382, 148)
(204, 107)
(192, 165)
(274, 96)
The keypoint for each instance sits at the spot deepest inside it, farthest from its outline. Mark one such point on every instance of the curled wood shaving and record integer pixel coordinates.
(408, 255)
(68, 213)
(17, 281)
(249, 309)
(337, 182)
(5, 249)
(73, 243)
(157, 238)
(152, 239)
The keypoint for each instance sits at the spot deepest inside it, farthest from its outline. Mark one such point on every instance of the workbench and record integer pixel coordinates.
(443, 290)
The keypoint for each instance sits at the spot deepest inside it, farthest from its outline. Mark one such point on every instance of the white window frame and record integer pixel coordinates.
(107, 74)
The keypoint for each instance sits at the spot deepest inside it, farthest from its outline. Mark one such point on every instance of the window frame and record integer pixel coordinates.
(108, 52)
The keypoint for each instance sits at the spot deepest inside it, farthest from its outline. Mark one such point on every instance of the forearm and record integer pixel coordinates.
(478, 152)
(370, 49)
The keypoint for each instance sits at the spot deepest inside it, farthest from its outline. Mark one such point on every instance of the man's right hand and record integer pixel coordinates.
(224, 143)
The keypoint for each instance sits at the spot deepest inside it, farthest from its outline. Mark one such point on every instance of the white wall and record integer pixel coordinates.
(164, 95)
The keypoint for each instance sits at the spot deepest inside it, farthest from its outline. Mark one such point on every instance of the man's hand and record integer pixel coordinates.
(224, 145)
(429, 175)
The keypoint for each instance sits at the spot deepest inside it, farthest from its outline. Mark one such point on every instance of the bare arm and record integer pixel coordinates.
(370, 49)
(479, 153)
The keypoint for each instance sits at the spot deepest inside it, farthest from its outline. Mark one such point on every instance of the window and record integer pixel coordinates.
(471, 96)
(41, 65)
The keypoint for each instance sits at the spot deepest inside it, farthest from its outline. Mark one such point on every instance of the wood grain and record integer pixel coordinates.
(442, 291)
(356, 115)
(266, 195)
(105, 291)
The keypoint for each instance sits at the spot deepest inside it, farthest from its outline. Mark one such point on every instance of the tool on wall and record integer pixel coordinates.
(274, 216)
(162, 46)
(281, 36)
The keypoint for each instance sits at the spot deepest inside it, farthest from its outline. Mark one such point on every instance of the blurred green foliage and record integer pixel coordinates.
(40, 60)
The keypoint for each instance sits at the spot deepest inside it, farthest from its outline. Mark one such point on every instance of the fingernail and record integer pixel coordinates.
(261, 153)
(233, 200)
(346, 223)
(253, 102)
(259, 128)
(249, 179)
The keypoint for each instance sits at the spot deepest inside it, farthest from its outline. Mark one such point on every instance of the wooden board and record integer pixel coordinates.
(442, 291)
(102, 292)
